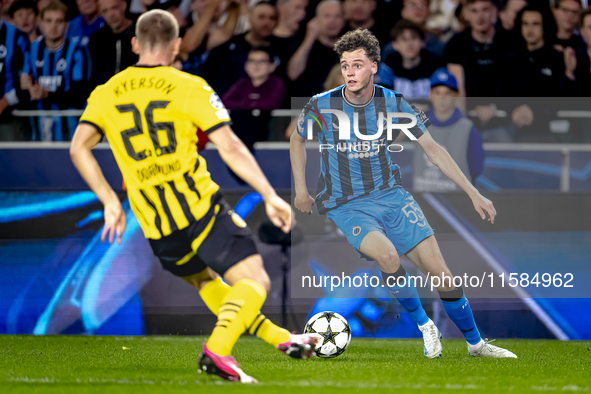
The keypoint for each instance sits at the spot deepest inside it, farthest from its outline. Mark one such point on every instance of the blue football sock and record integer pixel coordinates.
(408, 297)
(461, 314)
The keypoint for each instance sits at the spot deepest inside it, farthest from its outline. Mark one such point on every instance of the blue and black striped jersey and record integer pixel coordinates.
(80, 31)
(351, 167)
(14, 46)
(65, 74)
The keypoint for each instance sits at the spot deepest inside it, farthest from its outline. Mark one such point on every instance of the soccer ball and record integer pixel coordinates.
(335, 331)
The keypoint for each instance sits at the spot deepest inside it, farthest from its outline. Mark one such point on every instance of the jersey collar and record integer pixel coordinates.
(358, 105)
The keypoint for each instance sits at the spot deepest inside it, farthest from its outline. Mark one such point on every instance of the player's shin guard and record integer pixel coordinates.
(405, 291)
(238, 311)
(458, 309)
(213, 295)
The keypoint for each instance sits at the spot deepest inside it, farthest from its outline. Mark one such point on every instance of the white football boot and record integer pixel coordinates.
(431, 339)
(488, 350)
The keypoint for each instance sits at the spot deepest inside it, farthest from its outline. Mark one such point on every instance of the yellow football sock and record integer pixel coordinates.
(264, 329)
(238, 311)
(213, 295)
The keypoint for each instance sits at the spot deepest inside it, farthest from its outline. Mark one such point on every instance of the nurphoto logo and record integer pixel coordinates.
(370, 144)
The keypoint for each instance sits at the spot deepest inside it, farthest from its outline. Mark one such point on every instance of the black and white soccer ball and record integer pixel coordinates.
(335, 331)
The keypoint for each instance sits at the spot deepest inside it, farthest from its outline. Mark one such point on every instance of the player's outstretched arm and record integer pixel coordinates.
(86, 138)
(237, 156)
(297, 152)
(448, 166)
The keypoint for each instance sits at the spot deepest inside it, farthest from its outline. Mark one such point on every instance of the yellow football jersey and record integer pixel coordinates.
(150, 116)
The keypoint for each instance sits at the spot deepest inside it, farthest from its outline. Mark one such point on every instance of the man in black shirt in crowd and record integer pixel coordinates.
(311, 63)
(411, 66)
(532, 74)
(536, 69)
(225, 64)
(566, 13)
(110, 46)
(289, 32)
(475, 56)
(361, 14)
(508, 13)
(578, 63)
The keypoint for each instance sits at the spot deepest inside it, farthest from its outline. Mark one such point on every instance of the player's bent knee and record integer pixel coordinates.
(199, 280)
(390, 260)
(250, 268)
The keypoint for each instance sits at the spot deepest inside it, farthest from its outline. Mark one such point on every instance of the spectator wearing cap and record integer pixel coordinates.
(251, 99)
(408, 70)
(454, 132)
(110, 46)
(225, 64)
(23, 14)
(81, 27)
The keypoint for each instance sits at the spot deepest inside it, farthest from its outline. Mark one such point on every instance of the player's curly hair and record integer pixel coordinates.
(359, 39)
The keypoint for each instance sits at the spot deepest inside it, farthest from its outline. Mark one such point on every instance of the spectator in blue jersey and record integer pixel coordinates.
(567, 13)
(14, 46)
(81, 27)
(24, 17)
(110, 46)
(454, 132)
(56, 76)
(360, 188)
(408, 70)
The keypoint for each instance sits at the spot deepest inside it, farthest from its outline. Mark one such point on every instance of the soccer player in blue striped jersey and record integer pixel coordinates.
(360, 187)
(14, 46)
(57, 75)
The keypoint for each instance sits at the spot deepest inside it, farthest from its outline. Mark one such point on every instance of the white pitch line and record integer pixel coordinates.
(495, 265)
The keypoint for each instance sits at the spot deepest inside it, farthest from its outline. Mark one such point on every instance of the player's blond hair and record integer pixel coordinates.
(156, 28)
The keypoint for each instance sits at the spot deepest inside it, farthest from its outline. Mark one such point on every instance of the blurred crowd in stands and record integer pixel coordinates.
(511, 58)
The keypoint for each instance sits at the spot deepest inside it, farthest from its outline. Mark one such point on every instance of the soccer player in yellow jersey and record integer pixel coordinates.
(150, 113)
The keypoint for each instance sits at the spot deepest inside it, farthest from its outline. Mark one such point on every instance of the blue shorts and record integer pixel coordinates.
(393, 212)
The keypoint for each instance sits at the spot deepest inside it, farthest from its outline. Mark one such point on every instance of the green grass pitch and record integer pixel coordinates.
(87, 364)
